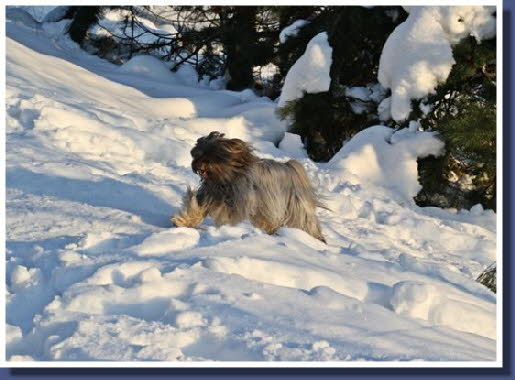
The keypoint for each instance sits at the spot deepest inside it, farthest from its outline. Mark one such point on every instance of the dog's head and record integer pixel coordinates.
(218, 160)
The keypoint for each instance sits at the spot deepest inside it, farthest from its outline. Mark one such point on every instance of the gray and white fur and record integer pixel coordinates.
(236, 185)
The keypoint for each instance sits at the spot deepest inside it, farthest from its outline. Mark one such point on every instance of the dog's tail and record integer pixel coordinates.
(306, 183)
(192, 213)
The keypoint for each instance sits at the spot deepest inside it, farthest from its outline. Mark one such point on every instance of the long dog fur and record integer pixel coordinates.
(236, 185)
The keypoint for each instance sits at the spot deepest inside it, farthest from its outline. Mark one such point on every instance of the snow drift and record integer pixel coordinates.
(383, 157)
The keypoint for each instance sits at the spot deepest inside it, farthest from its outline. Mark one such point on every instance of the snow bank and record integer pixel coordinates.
(417, 56)
(311, 71)
(293, 146)
(148, 66)
(166, 241)
(424, 301)
(187, 75)
(154, 121)
(291, 30)
(386, 158)
(44, 13)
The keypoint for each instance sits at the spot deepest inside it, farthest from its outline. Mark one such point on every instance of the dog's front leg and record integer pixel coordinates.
(192, 213)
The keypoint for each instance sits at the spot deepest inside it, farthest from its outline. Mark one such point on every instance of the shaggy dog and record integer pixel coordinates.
(236, 185)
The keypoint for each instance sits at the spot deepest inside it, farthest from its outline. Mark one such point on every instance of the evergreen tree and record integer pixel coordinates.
(293, 48)
(245, 40)
(464, 113)
(239, 37)
(489, 278)
(356, 35)
(82, 19)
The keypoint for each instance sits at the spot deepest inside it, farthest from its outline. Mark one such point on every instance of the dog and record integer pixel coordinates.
(236, 185)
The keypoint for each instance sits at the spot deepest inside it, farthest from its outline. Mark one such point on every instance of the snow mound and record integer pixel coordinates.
(427, 302)
(187, 75)
(148, 66)
(169, 240)
(386, 158)
(293, 146)
(417, 56)
(310, 73)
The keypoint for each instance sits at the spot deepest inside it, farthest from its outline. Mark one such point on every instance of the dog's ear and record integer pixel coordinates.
(212, 136)
(215, 135)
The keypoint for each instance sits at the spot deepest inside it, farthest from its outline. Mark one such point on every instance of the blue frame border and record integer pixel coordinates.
(361, 373)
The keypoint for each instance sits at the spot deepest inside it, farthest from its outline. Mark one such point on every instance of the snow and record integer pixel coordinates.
(97, 159)
(43, 13)
(459, 22)
(266, 73)
(361, 93)
(291, 30)
(187, 75)
(152, 67)
(113, 23)
(417, 56)
(361, 97)
(383, 157)
(310, 74)
(383, 109)
(166, 241)
(148, 66)
(292, 145)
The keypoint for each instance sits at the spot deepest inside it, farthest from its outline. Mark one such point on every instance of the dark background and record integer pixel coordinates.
(353, 373)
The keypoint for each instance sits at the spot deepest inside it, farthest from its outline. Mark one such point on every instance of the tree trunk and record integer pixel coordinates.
(83, 18)
(239, 39)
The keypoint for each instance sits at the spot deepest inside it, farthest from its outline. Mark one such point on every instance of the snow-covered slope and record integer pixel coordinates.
(98, 160)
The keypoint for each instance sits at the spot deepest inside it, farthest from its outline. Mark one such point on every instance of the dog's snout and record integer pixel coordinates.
(199, 169)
